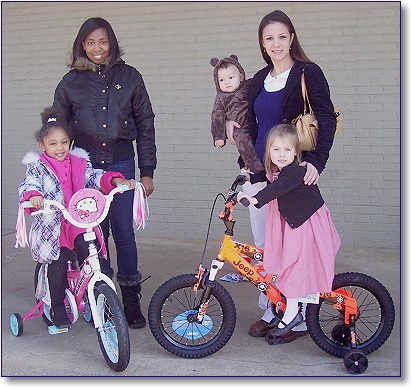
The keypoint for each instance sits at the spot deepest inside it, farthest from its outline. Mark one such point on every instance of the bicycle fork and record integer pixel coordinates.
(344, 302)
(97, 276)
(207, 279)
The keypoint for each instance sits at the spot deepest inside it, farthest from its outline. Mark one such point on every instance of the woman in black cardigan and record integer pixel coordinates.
(276, 97)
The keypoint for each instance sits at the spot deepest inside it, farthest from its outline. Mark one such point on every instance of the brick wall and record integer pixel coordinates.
(357, 44)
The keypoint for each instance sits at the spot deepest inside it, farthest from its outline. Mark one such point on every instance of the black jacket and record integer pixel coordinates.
(292, 106)
(296, 201)
(107, 113)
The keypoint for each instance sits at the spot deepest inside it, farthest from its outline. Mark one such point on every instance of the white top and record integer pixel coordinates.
(273, 84)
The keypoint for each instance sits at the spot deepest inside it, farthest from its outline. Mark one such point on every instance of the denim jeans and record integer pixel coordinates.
(120, 223)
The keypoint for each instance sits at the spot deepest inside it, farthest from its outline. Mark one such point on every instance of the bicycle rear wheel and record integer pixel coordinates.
(113, 336)
(374, 324)
(172, 317)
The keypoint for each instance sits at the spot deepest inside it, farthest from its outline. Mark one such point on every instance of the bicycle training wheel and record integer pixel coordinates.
(376, 316)
(113, 336)
(16, 324)
(172, 318)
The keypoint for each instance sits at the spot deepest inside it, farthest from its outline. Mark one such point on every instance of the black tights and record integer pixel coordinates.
(57, 270)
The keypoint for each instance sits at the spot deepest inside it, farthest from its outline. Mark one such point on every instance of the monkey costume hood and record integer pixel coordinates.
(229, 105)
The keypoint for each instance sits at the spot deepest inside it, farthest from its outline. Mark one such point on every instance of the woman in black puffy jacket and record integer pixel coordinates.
(107, 105)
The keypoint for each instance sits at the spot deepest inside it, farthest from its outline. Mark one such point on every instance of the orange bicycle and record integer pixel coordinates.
(194, 316)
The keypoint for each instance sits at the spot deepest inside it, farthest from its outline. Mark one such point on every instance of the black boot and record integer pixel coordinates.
(57, 277)
(131, 301)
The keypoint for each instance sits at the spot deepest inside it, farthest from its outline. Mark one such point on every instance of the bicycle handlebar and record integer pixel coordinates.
(49, 203)
(240, 180)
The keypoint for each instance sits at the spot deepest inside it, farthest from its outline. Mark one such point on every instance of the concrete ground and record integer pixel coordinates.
(77, 353)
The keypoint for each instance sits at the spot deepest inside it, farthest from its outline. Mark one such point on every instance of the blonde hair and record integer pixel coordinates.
(284, 131)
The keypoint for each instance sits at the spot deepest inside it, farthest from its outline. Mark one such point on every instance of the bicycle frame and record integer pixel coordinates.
(194, 316)
(239, 255)
(87, 289)
(84, 279)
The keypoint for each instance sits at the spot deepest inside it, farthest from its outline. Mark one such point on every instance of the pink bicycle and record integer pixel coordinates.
(90, 292)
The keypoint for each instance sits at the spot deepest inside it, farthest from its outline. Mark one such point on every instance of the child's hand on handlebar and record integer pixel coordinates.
(131, 183)
(252, 200)
(37, 201)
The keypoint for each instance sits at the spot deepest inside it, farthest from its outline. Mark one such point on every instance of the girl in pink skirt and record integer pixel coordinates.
(301, 241)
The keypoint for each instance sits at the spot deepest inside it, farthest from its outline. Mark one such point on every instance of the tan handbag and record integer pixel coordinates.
(307, 124)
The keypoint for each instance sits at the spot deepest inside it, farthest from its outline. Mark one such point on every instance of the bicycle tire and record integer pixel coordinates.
(172, 318)
(376, 316)
(113, 336)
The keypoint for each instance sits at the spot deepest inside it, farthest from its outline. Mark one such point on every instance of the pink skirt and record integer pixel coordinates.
(304, 257)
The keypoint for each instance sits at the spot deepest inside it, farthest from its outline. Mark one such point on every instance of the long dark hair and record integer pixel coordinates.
(296, 51)
(85, 30)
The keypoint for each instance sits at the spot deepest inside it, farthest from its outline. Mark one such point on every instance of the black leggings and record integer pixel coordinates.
(57, 270)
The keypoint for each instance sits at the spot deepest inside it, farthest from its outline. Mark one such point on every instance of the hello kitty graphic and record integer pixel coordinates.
(86, 206)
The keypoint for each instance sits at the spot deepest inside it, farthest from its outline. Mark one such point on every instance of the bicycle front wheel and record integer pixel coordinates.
(373, 325)
(113, 335)
(173, 312)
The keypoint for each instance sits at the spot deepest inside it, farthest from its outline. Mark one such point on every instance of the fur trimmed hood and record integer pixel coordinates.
(32, 156)
(216, 63)
(84, 63)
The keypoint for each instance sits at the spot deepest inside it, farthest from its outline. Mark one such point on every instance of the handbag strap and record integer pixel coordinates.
(306, 103)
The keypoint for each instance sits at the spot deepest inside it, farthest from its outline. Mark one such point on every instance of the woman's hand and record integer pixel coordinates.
(312, 174)
(148, 184)
(230, 127)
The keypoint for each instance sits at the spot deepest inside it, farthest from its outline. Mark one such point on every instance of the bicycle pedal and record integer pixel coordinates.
(58, 330)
